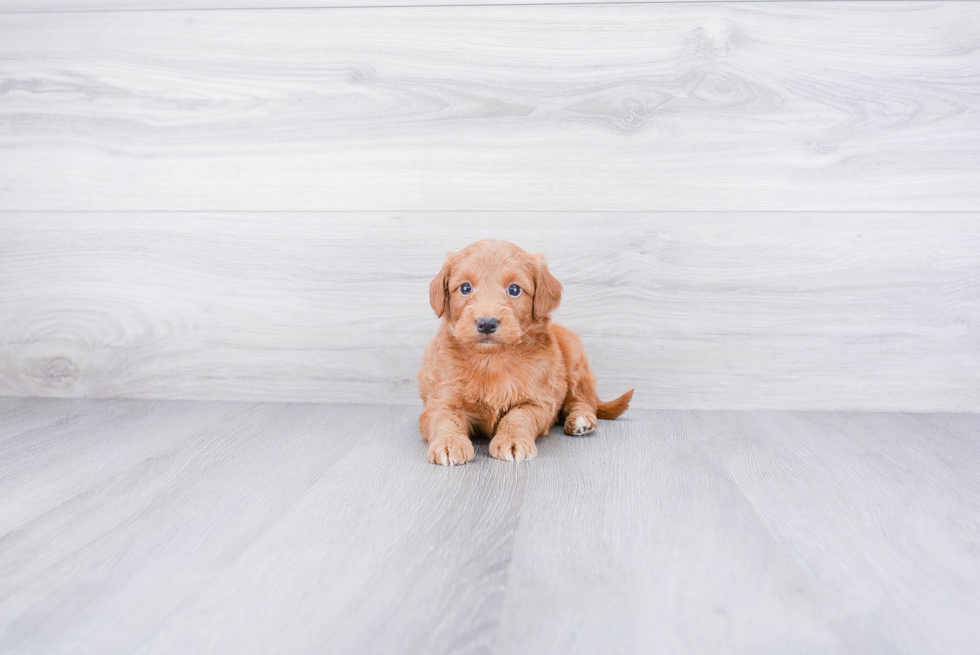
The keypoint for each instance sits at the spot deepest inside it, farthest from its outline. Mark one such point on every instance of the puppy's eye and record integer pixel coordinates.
(465, 288)
(513, 290)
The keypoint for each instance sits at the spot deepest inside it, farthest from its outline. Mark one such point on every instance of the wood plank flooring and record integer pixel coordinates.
(166, 527)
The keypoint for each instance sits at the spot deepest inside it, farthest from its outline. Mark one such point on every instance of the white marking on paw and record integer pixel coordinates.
(582, 425)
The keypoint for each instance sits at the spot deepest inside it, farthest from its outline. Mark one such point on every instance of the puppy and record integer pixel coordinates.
(498, 366)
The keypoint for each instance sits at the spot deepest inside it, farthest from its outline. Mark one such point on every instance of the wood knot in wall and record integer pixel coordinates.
(61, 372)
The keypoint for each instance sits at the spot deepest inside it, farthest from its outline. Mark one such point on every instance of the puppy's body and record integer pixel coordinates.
(498, 366)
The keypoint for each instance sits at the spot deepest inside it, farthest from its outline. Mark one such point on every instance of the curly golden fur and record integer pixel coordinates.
(511, 375)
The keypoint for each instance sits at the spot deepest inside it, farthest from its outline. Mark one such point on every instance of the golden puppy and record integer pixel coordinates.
(498, 366)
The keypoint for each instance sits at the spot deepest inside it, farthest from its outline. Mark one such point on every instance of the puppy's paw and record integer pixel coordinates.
(450, 452)
(579, 424)
(512, 449)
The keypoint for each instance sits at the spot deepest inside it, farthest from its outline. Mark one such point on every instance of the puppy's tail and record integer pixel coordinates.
(614, 408)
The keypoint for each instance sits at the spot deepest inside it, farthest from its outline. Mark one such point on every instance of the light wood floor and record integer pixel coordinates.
(195, 527)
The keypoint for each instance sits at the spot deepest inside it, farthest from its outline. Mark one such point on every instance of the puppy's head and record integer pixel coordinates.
(492, 293)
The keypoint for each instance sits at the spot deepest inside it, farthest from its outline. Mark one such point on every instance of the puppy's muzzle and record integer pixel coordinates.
(487, 325)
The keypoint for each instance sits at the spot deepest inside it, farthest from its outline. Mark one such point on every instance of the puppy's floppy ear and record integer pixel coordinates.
(547, 290)
(439, 287)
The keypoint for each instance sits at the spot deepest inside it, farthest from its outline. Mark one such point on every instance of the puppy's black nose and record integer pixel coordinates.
(487, 325)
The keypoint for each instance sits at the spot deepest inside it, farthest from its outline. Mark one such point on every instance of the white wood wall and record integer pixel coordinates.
(751, 204)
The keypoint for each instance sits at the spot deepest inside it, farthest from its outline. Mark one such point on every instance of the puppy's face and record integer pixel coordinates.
(492, 292)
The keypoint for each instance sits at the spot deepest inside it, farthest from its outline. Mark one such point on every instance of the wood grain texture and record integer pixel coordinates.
(805, 311)
(234, 527)
(35, 6)
(668, 106)
(228, 502)
(750, 532)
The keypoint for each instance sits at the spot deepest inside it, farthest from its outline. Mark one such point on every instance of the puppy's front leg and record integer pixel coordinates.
(518, 429)
(449, 443)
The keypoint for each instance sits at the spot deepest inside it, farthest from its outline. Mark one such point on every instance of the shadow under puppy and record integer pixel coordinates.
(498, 366)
